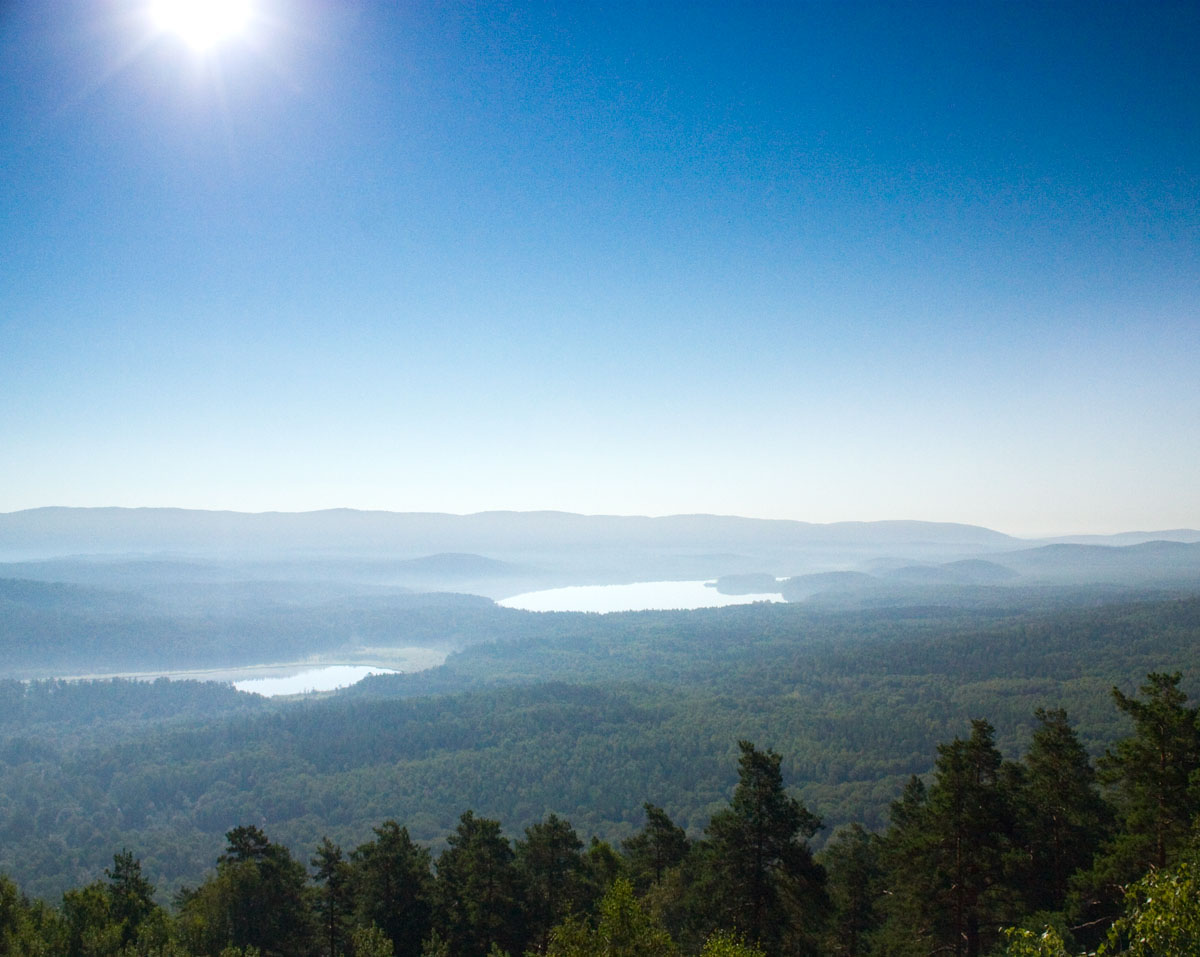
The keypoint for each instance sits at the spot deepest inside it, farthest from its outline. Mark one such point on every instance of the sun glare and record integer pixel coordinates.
(202, 24)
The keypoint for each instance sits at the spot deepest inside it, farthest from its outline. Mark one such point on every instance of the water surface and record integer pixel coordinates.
(324, 678)
(641, 596)
(297, 677)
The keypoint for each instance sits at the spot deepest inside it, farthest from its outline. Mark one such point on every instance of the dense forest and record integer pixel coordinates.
(908, 823)
(1045, 854)
(587, 716)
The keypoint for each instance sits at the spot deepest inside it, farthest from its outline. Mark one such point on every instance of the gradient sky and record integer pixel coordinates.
(821, 261)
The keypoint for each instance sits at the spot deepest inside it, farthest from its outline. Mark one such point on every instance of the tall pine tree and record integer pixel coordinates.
(393, 887)
(1151, 774)
(659, 845)
(1063, 819)
(478, 891)
(948, 851)
(335, 899)
(762, 880)
(554, 875)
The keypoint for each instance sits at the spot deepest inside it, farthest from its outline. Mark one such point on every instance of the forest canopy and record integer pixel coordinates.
(1037, 855)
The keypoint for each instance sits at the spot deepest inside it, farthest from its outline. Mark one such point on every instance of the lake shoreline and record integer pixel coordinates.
(638, 596)
(403, 660)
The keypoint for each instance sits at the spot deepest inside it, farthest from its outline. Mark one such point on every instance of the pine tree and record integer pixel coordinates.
(1064, 820)
(257, 899)
(131, 896)
(659, 845)
(335, 900)
(553, 874)
(854, 870)
(478, 890)
(971, 811)
(907, 924)
(762, 879)
(1151, 775)
(393, 887)
(948, 849)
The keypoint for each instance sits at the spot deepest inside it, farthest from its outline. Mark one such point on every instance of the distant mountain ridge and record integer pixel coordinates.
(497, 554)
(1186, 535)
(1146, 564)
(1130, 564)
(61, 530)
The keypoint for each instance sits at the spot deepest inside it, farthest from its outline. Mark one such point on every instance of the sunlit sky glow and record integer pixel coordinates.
(202, 24)
(822, 261)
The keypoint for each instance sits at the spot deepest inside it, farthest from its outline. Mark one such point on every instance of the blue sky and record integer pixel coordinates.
(823, 261)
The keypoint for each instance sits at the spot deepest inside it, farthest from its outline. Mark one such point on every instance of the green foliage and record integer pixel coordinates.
(961, 858)
(554, 877)
(948, 849)
(1019, 942)
(659, 845)
(28, 930)
(370, 942)
(131, 896)
(855, 703)
(335, 897)
(393, 887)
(727, 944)
(623, 929)
(761, 878)
(91, 931)
(585, 715)
(604, 865)
(478, 890)
(257, 899)
(853, 862)
(1064, 820)
(1162, 915)
(1151, 774)
(1161, 919)
(435, 946)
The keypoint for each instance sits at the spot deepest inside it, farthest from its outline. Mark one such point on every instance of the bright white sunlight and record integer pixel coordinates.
(202, 24)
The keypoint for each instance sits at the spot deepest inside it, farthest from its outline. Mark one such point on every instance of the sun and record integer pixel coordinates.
(202, 24)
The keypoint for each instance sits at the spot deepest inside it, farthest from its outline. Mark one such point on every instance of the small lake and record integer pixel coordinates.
(323, 678)
(641, 596)
(297, 677)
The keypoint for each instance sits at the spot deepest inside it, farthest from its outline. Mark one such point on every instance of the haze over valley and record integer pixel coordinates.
(859, 649)
(515, 478)
(132, 591)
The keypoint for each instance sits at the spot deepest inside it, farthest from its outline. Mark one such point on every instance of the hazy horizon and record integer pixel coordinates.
(568, 512)
(818, 262)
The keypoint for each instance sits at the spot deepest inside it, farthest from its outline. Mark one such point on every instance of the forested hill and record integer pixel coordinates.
(103, 627)
(1042, 854)
(588, 716)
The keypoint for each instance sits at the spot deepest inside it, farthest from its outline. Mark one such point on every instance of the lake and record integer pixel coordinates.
(324, 678)
(640, 596)
(298, 677)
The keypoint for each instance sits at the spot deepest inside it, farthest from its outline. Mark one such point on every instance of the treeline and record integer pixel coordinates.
(981, 847)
